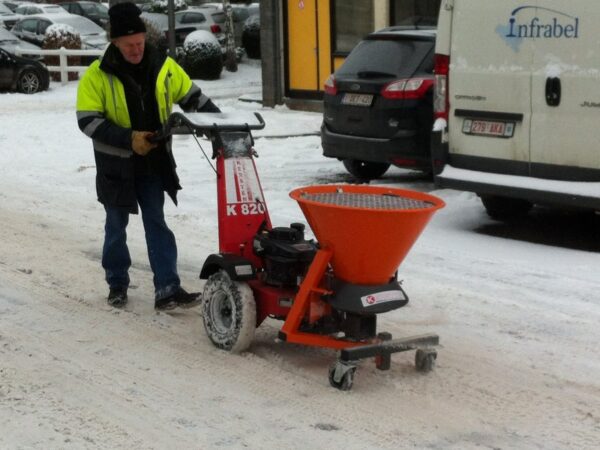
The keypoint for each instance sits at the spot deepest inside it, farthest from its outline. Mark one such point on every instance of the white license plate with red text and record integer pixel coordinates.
(357, 99)
(491, 128)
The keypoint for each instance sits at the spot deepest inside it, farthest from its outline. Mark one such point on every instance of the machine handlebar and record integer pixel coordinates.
(205, 123)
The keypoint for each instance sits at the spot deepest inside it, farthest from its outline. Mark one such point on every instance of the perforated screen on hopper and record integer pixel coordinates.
(368, 201)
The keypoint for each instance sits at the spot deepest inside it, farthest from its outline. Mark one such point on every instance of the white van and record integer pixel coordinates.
(517, 102)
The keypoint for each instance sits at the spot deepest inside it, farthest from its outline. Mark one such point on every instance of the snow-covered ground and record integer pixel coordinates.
(517, 308)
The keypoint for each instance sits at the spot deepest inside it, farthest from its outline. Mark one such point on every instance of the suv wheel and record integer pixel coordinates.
(364, 169)
(29, 82)
(502, 208)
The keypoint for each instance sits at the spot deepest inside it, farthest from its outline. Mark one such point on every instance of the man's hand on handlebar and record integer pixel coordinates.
(142, 142)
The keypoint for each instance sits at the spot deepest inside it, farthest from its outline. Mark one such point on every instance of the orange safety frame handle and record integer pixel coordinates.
(309, 289)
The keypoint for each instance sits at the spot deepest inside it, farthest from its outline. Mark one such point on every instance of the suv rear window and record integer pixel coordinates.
(372, 56)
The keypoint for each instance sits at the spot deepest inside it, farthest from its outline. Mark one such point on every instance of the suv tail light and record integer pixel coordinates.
(410, 88)
(330, 86)
(214, 28)
(441, 103)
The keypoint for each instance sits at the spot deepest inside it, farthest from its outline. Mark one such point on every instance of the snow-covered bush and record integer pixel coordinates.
(203, 57)
(155, 36)
(251, 36)
(161, 6)
(57, 36)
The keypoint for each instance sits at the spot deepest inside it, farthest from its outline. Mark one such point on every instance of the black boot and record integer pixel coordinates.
(117, 297)
(179, 299)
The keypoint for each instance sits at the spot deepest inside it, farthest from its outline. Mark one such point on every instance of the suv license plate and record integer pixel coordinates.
(357, 99)
(489, 128)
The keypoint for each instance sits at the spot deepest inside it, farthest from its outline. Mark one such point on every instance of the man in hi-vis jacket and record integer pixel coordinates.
(122, 100)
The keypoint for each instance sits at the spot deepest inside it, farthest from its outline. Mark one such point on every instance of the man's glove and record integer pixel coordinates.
(209, 107)
(140, 142)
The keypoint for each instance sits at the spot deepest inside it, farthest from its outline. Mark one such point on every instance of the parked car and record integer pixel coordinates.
(96, 12)
(13, 4)
(21, 74)
(378, 105)
(10, 43)
(202, 19)
(29, 9)
(161, 21)
(240, 14)
(33, 28)
(7, 17)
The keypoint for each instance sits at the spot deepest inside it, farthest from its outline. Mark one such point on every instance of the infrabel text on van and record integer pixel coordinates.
(559, 26)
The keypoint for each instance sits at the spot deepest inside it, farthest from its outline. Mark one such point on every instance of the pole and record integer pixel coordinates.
(171, 13)
(230, 56)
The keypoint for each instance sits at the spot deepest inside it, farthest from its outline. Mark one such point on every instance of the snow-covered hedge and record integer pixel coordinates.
(252, 24)
(202, 56)
(57, 36)
(251, 36)
(161, 6)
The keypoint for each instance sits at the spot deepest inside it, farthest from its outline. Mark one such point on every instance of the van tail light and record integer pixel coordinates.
(330, 85)
(406, 89)
(441, 103)
(214, 28)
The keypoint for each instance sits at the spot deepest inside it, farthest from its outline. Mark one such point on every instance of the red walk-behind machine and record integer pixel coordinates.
(328, 294)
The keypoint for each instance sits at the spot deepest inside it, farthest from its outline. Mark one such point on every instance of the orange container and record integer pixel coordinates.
(369, 229)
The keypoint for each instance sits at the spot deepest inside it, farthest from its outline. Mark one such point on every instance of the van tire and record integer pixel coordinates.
(503, 208)
(365, 170)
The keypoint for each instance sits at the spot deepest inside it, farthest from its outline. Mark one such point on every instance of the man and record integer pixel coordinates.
(122, 101)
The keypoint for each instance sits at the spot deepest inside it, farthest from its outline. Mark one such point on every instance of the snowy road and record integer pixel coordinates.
(517, 313)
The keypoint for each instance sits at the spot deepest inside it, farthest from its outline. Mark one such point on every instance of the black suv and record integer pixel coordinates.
(378, 105)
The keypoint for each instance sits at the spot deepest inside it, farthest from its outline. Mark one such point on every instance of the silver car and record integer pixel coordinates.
(240, 14)
(11, 43)
(202, 19)
(7, 17)
(33, 28)
(29, 9)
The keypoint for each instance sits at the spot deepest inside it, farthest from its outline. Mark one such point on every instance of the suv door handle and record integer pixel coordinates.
(553, 91)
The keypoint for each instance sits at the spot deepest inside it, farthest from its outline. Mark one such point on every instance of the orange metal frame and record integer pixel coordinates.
(308, 303)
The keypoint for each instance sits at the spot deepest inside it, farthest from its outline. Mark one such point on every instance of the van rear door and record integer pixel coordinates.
(489, 88)
(565, 126)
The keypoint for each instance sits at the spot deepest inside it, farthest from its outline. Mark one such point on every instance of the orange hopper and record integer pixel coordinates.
(368, 229)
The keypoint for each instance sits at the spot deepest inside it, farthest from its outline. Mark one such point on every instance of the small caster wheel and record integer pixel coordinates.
(341, 375)
(425, 359)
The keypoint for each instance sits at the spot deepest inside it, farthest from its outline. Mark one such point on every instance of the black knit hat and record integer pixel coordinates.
(125, 20)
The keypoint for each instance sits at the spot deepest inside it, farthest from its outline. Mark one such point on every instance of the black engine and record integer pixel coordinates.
(287, 255)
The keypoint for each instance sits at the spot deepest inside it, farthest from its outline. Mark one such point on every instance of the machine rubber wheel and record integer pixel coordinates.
(29, 82)
(504, 208)
(347, 380)
(425, 360)
(229, 312)
(365, 170)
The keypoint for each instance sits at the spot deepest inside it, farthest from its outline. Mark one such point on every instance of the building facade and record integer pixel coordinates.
(304, 41)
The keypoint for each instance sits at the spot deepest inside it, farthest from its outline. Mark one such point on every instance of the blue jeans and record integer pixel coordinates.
(162, 248)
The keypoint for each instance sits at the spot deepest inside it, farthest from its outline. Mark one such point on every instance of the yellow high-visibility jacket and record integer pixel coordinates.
(103, 115)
